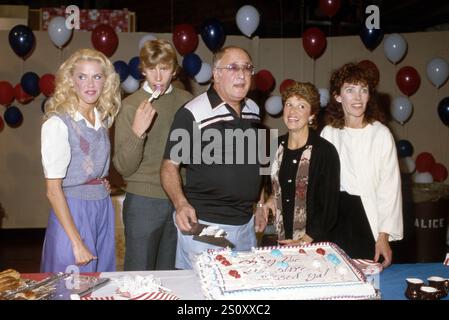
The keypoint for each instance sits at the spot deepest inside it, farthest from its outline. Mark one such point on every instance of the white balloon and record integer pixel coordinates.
(395, 47)
(407, 165)
(437, 71)
(130, 84)
(146, 38)
(58, 32)
(247, 19)
(324, 97)
(273, 105)
(423, 177)
(401, 109)
(204, 74)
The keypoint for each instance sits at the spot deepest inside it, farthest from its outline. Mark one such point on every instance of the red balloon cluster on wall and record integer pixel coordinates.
(6, 93)
(424, 162)
(439, 172)
(21, 95)
(47, 84)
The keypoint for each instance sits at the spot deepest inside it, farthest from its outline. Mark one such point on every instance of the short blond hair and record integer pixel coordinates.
(158, 51)
(65, 99)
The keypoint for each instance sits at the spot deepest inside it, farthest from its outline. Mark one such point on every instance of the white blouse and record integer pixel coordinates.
(55, 147)
(369, 169)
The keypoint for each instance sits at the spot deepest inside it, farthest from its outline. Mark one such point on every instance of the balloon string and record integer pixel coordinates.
(313, 71)
(282, 40)
(330, 43)
(172, 16)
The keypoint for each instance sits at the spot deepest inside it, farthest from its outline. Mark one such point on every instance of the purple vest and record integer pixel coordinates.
(90, 153)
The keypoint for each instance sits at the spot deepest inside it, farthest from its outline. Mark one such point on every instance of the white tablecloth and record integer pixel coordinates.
(183, 283)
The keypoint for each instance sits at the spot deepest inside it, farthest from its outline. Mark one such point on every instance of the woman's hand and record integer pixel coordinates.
(383, 249)
(82, 254)
(106, 184)
(262, 213)
(305, 239)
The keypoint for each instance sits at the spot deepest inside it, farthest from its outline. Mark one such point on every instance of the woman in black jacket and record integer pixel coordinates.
(305, 174)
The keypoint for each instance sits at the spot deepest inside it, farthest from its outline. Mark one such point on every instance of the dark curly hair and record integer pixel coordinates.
(354, 74)
(306, 91)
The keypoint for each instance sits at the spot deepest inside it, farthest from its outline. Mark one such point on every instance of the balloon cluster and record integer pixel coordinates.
(129, 74)
(30, 86)
(427, 169)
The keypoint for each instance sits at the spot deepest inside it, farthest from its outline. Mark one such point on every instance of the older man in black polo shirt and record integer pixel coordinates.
(215, 136)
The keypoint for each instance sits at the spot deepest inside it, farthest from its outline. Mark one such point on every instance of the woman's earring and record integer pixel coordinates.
(310, 121)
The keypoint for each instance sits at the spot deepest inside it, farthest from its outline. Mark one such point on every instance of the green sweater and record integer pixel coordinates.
(139, 160)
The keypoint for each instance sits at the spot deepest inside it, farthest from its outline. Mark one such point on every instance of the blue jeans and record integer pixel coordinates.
(243, 237)
(150, 234)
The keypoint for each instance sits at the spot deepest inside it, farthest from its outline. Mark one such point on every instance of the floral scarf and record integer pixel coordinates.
(301, 182)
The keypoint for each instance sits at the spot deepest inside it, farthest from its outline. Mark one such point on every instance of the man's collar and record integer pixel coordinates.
(148, 89)
(216, 101)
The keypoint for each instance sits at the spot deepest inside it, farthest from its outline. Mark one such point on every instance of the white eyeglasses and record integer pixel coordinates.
(234, 68)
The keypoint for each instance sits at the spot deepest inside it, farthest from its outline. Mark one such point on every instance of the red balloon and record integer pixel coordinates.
(314, 42)
(104, 39)
(330, 7)
(408, 80)
(185, 38)
(424, 162)
(264, 80)
(285, 84)
(439, 172)
(21, 95)
(6, 93)
(47, 84)
(371, 69)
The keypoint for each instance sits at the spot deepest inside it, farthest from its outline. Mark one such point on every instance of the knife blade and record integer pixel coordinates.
(101, 283)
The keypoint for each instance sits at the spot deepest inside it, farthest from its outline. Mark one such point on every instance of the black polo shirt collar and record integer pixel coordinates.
(216, 101)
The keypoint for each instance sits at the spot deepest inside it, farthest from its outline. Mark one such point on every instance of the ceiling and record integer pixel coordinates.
(279, 18)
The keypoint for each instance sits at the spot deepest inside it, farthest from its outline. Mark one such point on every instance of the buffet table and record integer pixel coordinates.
(185, 285)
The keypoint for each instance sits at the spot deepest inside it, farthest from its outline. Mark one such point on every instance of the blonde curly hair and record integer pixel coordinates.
(65, 99)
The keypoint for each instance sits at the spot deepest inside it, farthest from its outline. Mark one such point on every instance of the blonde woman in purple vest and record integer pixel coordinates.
(75, 157)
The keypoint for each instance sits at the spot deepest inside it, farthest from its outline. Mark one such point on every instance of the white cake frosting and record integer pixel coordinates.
(315, 271)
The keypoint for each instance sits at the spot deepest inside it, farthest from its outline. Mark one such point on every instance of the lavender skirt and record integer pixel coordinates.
(94, 220)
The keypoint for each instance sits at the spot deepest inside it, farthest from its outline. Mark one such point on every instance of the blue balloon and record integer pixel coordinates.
(30, 83)
(405, 148)
(13, 117)
(21, 40)
(371, 37)
(191, 64)
(133, 66)
(121, 67)
(213, 34)
(443, 110)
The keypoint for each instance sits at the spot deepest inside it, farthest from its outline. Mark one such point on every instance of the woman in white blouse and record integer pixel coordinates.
(370, 209)
(75, 156)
